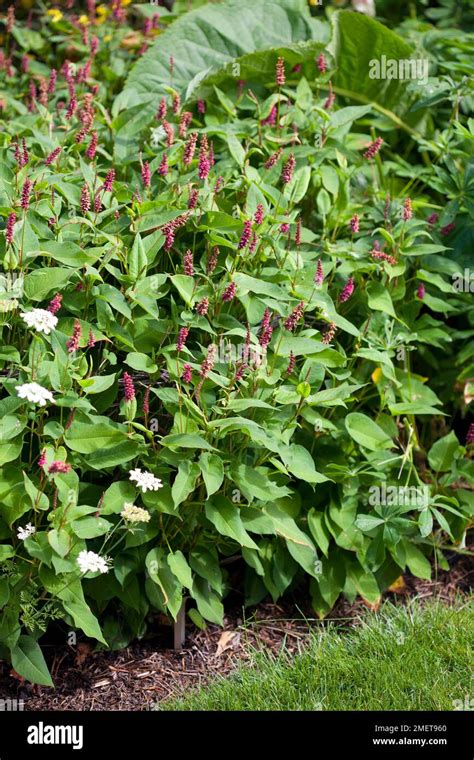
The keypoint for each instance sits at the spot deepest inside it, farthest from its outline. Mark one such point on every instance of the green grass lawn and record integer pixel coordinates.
(402, 658)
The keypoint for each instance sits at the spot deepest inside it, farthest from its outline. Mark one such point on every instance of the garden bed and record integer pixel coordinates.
(236, 320)
(149, 672)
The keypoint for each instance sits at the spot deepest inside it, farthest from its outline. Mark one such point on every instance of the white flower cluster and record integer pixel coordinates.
(35, 393)
(364, 6)
(90, 562)
(26, 532)
(145, 480)
(41, 319)
(134, 514)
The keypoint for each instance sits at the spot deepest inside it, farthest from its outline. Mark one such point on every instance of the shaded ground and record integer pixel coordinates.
(138, 677)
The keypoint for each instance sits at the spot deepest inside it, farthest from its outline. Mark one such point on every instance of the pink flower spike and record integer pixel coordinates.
(470, 435)
(188, 264)
(25, 195)
(373, 148)
(128, 387)
(59, 467)
(187, 375)
(280, 72)
(52, 156)
(9, 230)
(146, 174)
(202, 307)
(259, 214)
(55, 304)
(182, 336)
(146, 401)
(162, 109)
(109, 181)
(73, 342)
(354, 224)
(291, 364)
(407, 210)
(319, 276)
(295, 316)
(229, 292)
(90, 152)
(347, 290)
(420, 293)
(246, 233)
(204, 163)
(288, 169)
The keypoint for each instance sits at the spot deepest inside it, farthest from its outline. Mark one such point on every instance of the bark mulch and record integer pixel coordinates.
(145, 673)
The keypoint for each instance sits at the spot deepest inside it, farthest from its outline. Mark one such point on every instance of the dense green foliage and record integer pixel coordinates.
(241, 295)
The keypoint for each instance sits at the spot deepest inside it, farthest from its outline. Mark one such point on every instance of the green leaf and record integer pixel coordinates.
(185, 481)
(300, 463)
(323, 202)
(296, 189)
(208, 603)
(225, 517)
(212, 471)
(42, 283)
(204, 40)
(236, 150)
(186, 441)
(60, 541)
(137, 260)
(97, 384)
(84, 619)
(255, 483)
(87, 439)
(141, 362)
(115, 497)
(167, 582)
(6, 551)
(379, 298)
(366, 432)
(10, 450)
(91, 527)
(180, 568)
(358, 41)
(205, 563)
(28, 661)
(365, 582)
(444, 451)
(185, 286)
(317, 526)
(368, 522)
(299, 544)
(417, 562)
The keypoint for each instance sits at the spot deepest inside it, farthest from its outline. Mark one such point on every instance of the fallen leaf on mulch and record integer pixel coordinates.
(83, 652)
(228, 640)
(398, 586)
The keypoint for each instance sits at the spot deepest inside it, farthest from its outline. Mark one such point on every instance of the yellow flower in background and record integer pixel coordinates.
(102, 12)
(376, 375)
(107, 38)
(125, 2)
(84, 20)
(55, 14)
